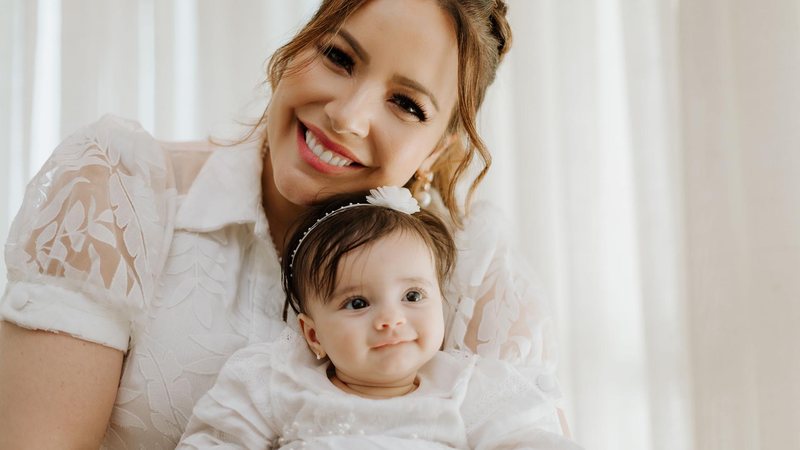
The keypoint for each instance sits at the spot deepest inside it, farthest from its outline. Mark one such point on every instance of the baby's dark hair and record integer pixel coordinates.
(314, 266)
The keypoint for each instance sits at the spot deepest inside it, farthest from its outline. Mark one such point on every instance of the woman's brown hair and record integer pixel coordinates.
(484, 37)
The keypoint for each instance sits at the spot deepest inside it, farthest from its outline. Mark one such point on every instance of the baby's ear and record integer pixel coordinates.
(310, 333)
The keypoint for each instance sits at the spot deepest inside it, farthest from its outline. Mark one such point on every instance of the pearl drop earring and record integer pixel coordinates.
(424, 196)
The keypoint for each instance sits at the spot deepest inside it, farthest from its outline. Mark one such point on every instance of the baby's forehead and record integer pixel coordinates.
(392, 258)
(398, 243)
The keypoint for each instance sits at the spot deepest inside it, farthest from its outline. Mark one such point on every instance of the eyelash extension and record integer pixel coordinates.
(410, 106)
(338, 57)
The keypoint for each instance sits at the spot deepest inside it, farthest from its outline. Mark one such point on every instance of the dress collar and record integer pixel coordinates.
(227, 191)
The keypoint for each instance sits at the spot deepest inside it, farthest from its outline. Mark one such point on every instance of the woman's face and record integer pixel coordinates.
(368, 110)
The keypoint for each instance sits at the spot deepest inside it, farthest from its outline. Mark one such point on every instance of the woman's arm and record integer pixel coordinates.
(496, 309)
(505, 407)
(83, 257)
(56, 391)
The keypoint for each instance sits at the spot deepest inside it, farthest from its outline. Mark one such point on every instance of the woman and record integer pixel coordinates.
(137, 267)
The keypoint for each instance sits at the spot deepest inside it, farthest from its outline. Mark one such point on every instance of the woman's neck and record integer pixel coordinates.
(376, 391)
(281, 213)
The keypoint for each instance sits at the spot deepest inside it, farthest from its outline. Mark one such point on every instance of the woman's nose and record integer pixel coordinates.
(351, 113)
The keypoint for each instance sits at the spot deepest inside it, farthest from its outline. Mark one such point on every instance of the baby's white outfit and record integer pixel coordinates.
(278, 396)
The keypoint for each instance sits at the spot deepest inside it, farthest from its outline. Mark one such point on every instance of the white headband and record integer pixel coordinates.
(392, 197)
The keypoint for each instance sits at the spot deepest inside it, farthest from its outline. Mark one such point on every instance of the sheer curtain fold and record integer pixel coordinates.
(649, 30)
(645, 151)
(594, 178)
(17, 83)
(741, 128)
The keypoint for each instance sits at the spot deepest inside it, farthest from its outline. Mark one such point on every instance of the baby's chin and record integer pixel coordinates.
(379, 377)
(389, 367)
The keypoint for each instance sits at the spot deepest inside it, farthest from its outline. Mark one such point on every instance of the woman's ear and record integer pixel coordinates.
(446, 141)
(310, 333)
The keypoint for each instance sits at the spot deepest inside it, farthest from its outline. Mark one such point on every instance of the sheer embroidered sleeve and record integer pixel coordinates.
(494, 308)
(85, 250)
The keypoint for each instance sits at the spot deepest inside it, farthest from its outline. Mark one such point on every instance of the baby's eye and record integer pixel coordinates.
(356, 303)
(413, 296)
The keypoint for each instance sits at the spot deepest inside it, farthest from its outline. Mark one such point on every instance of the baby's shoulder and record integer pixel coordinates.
(269, 354)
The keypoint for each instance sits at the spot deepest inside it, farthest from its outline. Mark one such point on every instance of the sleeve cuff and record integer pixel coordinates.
(52, 308)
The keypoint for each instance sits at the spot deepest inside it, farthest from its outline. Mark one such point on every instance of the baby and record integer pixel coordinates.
(365, 276)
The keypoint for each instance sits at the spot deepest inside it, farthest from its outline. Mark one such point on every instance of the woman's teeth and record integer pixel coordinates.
(327, 156)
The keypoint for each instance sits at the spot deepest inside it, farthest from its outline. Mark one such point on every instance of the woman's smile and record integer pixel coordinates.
(362, 107)
(321, 153)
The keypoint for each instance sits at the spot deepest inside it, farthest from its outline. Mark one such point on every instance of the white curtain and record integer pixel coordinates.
(647, 153)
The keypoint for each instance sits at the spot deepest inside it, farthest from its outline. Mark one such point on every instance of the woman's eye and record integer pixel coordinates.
(410, 106)
(339, 58)
(356, 303)
(413, 296)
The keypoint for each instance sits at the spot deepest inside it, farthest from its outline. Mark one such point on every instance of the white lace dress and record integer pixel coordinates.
(277, 395)
(162, 251)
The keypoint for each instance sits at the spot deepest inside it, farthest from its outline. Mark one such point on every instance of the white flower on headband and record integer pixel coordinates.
(394, 197)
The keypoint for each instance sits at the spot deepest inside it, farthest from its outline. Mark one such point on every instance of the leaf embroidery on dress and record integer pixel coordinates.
(219, 344)
(221, 347)
(97, 220)
(49, 213)
(122, 417)
(168, 392)
(89, 217)
(99, 225)
(196, 259)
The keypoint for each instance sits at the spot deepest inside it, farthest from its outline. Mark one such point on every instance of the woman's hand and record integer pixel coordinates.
(56, 391)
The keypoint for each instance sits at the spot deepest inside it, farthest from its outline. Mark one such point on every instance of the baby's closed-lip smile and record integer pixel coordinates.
(390, 343)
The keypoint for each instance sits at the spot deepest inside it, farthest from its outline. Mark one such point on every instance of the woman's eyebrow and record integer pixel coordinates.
(362, 55)
(412, 84)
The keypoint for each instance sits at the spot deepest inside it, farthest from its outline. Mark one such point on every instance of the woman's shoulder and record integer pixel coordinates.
(127, 142)
(481, 218)
(123, 142)
(111, 151)
(484, 217)
(482, 239)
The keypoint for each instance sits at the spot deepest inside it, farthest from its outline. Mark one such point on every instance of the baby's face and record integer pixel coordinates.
(384, 320)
